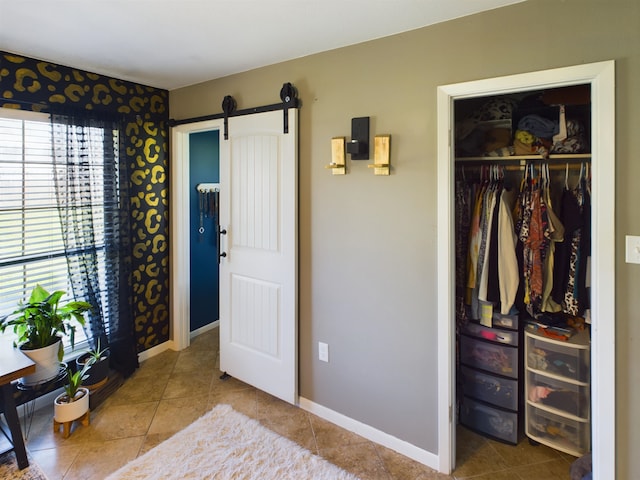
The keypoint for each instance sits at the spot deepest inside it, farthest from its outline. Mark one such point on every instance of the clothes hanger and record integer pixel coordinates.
(548, 186)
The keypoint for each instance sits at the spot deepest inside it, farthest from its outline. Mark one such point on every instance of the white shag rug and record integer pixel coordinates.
(223, 445)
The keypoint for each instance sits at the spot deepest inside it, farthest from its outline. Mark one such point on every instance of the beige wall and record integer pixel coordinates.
(367, 244)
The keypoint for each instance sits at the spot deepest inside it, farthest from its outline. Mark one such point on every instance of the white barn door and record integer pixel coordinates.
(258, 269)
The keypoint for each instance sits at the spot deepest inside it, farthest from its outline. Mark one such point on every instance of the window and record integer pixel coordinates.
(32, 247)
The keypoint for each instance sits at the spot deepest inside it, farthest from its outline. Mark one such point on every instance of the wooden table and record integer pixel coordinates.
(13, 365)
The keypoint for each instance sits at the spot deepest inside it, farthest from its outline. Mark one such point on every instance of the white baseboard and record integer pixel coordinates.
(206, 328)
(156, 350)
(402, 447)
(171, 345)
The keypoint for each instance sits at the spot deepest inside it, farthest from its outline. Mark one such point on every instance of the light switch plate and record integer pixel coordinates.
(323, 352)
(632, 249)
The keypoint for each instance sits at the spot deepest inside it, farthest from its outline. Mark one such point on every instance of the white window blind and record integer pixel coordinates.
(31, 244)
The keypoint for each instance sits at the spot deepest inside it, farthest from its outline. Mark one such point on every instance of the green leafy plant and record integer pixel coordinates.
(96, 354)
(42, 320)
(74, 381)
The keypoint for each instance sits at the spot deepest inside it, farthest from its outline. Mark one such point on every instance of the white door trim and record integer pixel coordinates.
(601, 77)
(180, 284)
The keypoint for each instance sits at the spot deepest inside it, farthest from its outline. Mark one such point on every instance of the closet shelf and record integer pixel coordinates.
(553, 156)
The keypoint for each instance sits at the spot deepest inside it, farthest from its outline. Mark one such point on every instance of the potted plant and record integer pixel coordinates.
(73, 403)
(97, 360)
(39, 324)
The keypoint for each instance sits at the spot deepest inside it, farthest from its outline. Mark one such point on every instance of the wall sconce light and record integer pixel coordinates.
(381, 148)
(337, 164)
(358, 147)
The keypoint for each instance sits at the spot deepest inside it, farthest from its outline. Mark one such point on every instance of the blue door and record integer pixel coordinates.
(204, 167)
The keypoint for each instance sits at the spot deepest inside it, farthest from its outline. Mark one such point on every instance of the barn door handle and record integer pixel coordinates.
(221, 231)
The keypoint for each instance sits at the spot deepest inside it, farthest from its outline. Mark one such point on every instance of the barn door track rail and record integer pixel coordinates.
(288, 96)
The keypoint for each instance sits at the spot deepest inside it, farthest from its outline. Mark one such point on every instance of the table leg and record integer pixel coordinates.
(11, 415)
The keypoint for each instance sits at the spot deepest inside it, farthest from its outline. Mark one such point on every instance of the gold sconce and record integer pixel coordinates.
(337, 164)
(381, 147)
(358, 147)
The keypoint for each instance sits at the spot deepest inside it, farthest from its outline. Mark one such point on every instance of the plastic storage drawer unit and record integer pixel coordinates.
(562, 359)
(553, 394)
(565, 434)
(505, 321)
(499, 391)
(492, 421)
(492, 357)
(557, 391)
(497, 335)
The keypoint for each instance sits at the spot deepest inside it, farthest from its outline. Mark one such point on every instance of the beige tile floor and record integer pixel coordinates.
(168, 392)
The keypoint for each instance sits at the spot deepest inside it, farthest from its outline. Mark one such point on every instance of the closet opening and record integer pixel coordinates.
(528, 160)
(522, 268)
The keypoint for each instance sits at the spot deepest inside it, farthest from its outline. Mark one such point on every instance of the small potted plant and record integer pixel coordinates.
(39, 324)
(73, 403)
(98, 369)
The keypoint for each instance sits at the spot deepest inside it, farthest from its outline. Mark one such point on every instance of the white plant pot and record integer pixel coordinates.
(47, 364)
(67, 412)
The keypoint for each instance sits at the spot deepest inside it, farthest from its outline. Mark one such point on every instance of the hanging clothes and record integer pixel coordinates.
(523, 254)
(493, 282)
(535, 248)
(584, 300)
(475, 237)
(569, 278)
(556, 232)
(463, 192)
(484, 278)
(487, 231)
(508, 273)
(462, 224)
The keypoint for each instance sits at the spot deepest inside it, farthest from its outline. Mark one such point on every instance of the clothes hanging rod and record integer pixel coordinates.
(557, 166)
(554, 157)
(512, 168)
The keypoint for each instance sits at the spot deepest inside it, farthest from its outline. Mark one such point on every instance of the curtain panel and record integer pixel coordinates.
(92, 181)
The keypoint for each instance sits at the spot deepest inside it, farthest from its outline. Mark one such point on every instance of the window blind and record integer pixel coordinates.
(32, 250)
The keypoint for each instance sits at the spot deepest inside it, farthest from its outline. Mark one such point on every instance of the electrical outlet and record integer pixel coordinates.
(632, 249)
(323, 352)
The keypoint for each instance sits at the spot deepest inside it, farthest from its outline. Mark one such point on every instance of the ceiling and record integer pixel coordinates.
(176, 43)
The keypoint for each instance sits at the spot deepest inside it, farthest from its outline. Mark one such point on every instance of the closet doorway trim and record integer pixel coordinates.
(180, 285)
(601, 77)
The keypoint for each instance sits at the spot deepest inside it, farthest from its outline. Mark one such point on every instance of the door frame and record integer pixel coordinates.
(180, 283)
(601, 77)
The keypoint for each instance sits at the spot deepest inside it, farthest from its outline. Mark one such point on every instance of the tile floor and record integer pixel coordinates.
(167, 393)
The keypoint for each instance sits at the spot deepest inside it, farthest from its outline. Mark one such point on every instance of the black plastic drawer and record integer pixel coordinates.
(499, 391)
(495, 422)
(508, 337)
(492, 357)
